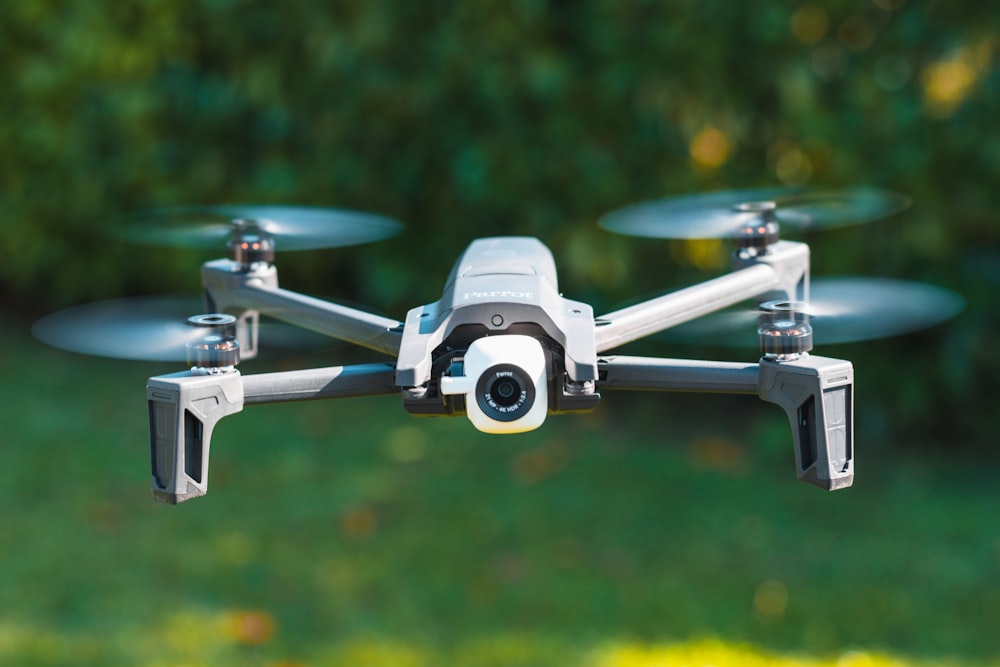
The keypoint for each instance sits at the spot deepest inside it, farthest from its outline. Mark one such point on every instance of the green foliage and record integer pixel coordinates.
(480, 118)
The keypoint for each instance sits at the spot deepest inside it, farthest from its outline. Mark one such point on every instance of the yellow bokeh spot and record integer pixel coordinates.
(709, 148)
(946, 85)
(948, 82)
(809, 24)
(700, 253)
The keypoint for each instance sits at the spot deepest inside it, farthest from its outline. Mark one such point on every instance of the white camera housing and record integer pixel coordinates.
(504, 383)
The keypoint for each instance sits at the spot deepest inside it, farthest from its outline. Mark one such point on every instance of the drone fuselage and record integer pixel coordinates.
(499, 286)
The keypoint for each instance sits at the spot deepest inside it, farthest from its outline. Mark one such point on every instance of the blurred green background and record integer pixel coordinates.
(347, 533)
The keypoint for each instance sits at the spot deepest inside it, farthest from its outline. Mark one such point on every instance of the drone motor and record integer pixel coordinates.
(250, 243)
(218, 350)
(784, 331)
(758, 228)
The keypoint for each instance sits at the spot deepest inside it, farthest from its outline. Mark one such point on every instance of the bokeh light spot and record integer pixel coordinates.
(358, 523)
(701, 253)
(947, 83)
(770, 601)
(809, 24)
(709, 148)
(249, 627)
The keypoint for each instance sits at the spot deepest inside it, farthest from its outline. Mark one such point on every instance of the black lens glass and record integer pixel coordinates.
(505, 392)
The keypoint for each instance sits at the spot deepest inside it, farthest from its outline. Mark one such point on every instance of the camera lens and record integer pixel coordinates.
(505, 393)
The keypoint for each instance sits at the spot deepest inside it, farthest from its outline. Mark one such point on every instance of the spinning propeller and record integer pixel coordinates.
(840, 310)
(286, 227)
(146, 328)
(152, 328)
(160, 328)
(729, 214)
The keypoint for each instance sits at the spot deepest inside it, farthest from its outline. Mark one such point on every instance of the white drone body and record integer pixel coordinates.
(503, 347)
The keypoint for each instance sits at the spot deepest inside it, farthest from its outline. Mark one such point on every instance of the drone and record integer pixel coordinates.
(502, 346)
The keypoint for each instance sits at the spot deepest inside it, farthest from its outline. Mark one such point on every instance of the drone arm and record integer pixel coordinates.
(318, 383)
(651, 374)
(634, 322)
(355, 326)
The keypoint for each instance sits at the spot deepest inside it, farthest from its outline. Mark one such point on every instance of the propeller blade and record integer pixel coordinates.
(143, 328)
(292, 227)
(722, 214)
(154, 328)
(841, 310)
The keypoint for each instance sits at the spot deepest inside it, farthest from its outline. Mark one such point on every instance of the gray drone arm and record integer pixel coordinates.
(355, 326)
(780, 273)
(245, 293)
(815, 392)
(185, 407)
(632, 323)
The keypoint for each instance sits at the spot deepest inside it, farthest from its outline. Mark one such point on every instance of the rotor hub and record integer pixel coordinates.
(759, 227)
(784, 331)
(250, 243)
(217, 350)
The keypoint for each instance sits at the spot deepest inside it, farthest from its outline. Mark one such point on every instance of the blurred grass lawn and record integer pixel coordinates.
(348, 533)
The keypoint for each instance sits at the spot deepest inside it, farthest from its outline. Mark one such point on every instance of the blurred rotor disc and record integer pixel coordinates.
(721, 214)
(293, 227)
(841, 310)
(152, 328)
(139, 328)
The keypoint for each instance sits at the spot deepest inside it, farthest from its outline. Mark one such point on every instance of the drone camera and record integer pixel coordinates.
(504, 380)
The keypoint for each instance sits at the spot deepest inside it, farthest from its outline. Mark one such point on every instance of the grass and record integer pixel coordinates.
(671, 532)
